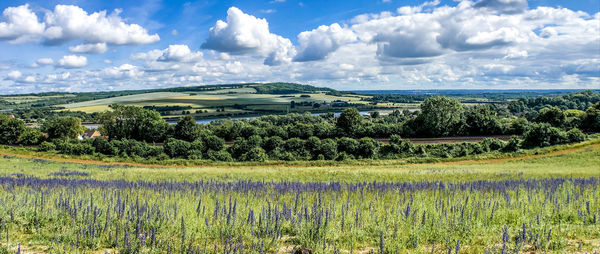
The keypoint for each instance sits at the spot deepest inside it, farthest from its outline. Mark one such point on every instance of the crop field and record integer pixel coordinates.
(533, 204)
(208, 99)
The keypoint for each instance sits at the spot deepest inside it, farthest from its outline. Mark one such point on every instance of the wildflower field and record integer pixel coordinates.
(539, 204)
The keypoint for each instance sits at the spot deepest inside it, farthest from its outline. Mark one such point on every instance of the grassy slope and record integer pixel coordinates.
(583, 162)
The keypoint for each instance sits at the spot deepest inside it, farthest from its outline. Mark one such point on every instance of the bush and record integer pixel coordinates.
(255, 154)
(176, 148)
(10, 129)
(347, 145)
(328, 149)
(46, 146)
(31, 137)
(575, 136)
(543, 134)
(104, 147)
(367, 148)
(221, 155)
(513, 144)
(492, 144)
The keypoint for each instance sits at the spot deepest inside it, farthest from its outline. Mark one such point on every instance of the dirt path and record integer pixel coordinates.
(133, 164)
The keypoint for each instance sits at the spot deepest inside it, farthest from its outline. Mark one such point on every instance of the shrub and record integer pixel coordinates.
(347, 145)
(255, 154)
(104, 147)
(221, 155)
(367, 148)
(492, 144)
(328, 149)
(46, 146)
(176, 148)
(31, 137)
(513, 144)
(575, 135)
(543, 134)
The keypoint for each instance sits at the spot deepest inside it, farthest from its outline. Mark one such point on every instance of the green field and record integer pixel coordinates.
(206, 100)
(537, 203)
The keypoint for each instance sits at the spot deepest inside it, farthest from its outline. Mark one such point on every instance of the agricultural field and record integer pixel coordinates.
(206, 100)
(536, 203)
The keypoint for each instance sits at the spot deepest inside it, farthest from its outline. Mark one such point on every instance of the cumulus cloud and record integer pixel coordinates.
(44, 61)
(14, 75)
(120, 72)
(174, 53)
(21, 24)
(96, 48)
(318, 43)
(245, 34)
(69, 22)
(72, 61)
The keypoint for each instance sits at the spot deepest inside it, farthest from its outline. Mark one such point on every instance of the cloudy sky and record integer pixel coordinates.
(94, 45)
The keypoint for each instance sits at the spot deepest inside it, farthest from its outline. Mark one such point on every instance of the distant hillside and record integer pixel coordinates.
(59, 98)
(288, 88)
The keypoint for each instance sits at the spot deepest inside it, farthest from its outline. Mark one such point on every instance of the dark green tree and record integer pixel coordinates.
(440, 116)
(552, 115)
(11, 129)
(176, 148)
(186, 129)
(64, 128)
(349, 120)
(133, 122)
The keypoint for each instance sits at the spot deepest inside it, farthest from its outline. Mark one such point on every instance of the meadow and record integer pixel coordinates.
(534, 203)
(205, 100)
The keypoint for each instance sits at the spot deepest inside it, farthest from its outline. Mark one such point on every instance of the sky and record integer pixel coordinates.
(104, 45)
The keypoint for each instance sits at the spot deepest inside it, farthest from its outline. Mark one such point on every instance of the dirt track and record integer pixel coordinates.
(94, 162)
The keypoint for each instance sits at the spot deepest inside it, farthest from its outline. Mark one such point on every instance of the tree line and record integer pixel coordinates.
(137, 132)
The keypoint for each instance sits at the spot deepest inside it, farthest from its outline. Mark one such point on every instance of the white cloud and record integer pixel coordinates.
(120, 72)
(22, 24)
(174, 53)
(246, 34)
(45, 61)
(72, 61)
(69, 22)
(96, 48)
(14, 75)
(318, 43)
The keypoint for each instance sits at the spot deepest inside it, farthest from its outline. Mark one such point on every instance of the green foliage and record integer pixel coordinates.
(187, 129)
(287, 88)
(64, 128)
(575, 135)
(552, 115)
(349, 120)
(176, 148)
(513, 144)
(543, 134)
(31, 137)
(133, 122)
(592, 119)
(440, 116)
(482, 120)
(220, 155)
(46, 146)
(367, 148)
(11, 130)
(255, 154)
(101, 145)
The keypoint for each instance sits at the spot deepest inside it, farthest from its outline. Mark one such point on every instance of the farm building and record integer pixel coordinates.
(90, 134)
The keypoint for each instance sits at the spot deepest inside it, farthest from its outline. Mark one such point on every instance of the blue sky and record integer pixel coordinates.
(348, 45)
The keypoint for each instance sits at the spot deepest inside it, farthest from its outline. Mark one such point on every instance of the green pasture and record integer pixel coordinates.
(585, 163)
(210, 99)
